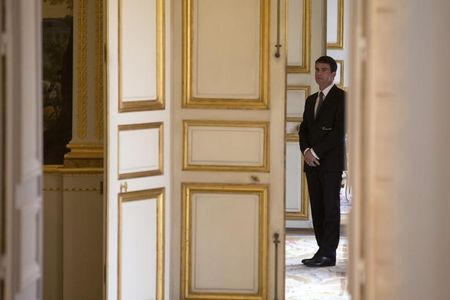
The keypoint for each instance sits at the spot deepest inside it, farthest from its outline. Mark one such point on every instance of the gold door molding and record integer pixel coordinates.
(232, 145)
(300, 32)
(141, 102)
(132, 137)
(303, 200)
(220, 97)
(339, 80)
(157, 195)
(202, 200)
(295, 100)
(292, 126)
(338, 43)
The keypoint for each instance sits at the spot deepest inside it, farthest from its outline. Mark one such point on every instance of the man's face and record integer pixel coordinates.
(324, 76)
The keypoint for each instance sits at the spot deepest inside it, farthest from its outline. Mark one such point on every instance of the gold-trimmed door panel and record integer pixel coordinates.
(138, 149)
(225, 54)
(299, 36)
(297, 199)
(141, 260)
(224, 222)
(240, 146)
(141, 55)
(228, 134)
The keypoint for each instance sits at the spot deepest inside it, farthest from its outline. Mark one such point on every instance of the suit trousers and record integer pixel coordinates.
(324, 189)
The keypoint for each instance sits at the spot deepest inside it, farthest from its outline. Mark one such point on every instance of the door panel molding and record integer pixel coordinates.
(140, 137)
(297, 197)
(133, 48)
(295, 99)
(139, 131)
(134, 221)
(202, 201)
(298, 55)
(221, 97)
(335, 20)
(233, 140)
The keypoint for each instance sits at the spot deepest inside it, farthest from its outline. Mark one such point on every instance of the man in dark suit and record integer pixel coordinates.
(322, 143)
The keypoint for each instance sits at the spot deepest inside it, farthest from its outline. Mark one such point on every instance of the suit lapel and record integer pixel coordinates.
(327, 102)
(312, 106)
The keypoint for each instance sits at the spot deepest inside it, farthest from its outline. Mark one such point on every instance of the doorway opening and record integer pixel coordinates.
(73, 121)
(302, 282)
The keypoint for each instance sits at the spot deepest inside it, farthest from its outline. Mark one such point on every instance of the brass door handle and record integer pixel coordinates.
(124, 187)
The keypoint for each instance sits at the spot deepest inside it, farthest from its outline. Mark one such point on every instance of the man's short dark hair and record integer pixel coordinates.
(328, 60)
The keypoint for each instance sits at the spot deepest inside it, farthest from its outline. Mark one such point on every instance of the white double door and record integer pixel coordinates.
(195, 149)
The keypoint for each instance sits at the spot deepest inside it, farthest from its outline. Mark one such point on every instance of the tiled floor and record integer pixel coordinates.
(303, 283)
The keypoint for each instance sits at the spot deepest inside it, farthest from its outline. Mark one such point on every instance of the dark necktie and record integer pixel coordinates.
(319, 105)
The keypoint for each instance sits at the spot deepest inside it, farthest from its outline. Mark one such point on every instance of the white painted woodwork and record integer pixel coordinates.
(295, 29)
(140, 17)
(295, 103)
(226, 145)
(299, 86)
(226, 55)
(138, 68)
(332, 21)
(139, 150)
(138, 251)
(294, 178)
(292, 129)
(229, 225)
(225, 65)
(317, 41)
(335, 22)
(338, 79)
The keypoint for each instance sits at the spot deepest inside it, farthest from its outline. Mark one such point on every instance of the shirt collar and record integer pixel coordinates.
(327, 90)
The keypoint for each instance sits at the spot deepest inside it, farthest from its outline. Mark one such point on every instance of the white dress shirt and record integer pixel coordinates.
(325, 92)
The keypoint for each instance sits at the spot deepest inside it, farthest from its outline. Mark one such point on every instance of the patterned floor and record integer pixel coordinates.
(303, 283)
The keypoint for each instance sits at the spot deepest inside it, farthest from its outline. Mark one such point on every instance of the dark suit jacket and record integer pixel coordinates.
(326, 133)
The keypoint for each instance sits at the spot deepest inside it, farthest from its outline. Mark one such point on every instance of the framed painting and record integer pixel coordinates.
(57, 54)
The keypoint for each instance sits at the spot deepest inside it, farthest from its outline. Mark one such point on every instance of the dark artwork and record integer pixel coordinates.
(57, 87)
